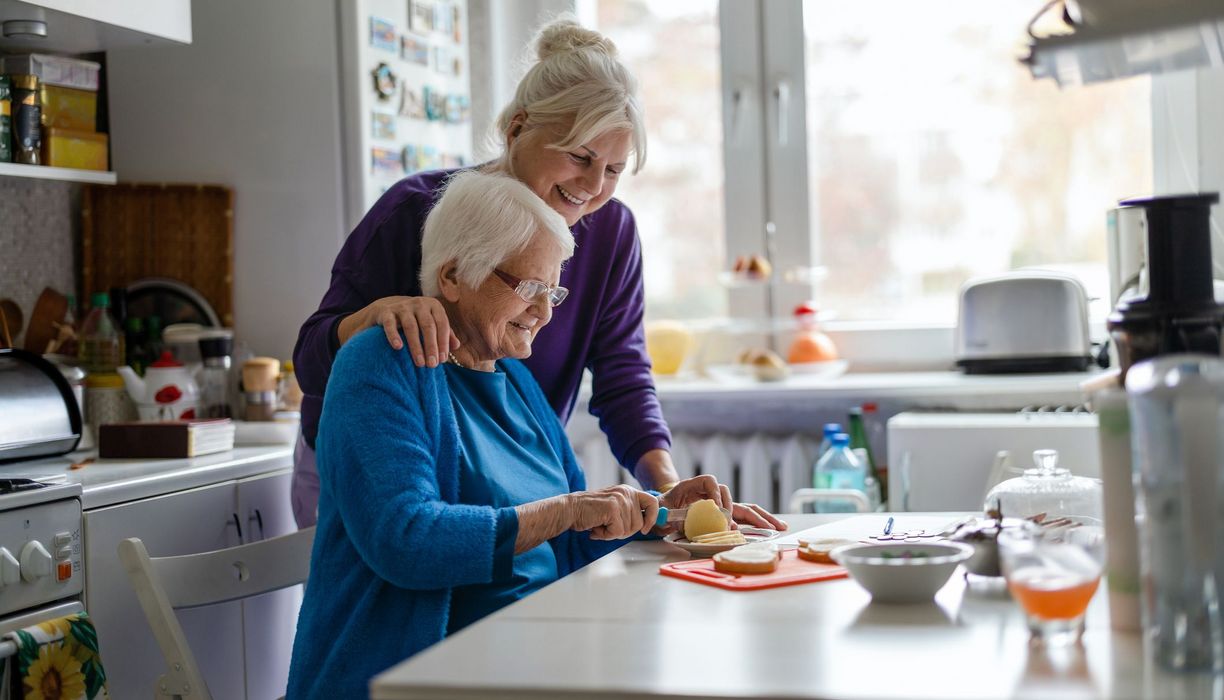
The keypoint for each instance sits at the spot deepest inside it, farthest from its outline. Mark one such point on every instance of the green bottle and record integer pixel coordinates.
(858, 440)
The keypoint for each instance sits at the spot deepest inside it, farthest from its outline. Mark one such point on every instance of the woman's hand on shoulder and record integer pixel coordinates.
(613, 513)
(422, 319)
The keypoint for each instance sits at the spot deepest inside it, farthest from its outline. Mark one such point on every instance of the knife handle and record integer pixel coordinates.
(662, 519)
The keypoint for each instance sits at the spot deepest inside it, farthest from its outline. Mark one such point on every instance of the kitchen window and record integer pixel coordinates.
(899, 145)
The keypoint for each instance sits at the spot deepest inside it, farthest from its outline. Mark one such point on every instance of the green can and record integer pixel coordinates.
(6, 120)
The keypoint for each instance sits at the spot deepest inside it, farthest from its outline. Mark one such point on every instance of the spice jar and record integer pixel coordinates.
(106, 401)
(27, 120)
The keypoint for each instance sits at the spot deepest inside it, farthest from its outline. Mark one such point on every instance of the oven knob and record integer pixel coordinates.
(10, 570)
(35, 561)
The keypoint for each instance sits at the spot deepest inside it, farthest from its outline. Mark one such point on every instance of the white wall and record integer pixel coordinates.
(253, 104)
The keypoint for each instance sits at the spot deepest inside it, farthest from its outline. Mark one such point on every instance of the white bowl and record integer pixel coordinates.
(902, 572)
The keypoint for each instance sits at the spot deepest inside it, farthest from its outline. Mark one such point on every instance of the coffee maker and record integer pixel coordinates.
(1175, 311)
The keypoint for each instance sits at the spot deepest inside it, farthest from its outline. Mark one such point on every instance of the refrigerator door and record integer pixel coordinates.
(946, 461)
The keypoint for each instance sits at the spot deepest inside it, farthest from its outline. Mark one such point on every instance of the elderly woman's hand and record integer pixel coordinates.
(613, 513)
(421, 318)
(689, 491)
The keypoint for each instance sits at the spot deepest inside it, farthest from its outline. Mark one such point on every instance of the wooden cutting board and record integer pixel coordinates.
(184, 232)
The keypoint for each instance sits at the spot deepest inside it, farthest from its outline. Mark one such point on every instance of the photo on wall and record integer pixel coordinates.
(414, 50)
(382, 34)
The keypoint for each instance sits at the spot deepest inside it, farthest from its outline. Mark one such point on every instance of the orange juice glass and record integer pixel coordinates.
(1053, 573)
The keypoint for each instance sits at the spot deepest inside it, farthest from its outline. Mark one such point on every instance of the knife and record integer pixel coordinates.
(675, 515)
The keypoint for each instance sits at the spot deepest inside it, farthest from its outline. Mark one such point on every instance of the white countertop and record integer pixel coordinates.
(618, 628)
(107, 482)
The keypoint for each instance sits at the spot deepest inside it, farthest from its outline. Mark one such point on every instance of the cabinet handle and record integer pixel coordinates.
(258, 518)
(238, 525)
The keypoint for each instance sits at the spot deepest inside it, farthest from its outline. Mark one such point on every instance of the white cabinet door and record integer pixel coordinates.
(197, 520)
(86, 26)
(270, 620)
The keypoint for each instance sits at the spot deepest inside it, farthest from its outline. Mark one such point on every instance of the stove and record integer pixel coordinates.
(41, 552)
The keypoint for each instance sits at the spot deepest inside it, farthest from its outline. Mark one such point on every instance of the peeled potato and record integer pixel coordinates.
(703, 518)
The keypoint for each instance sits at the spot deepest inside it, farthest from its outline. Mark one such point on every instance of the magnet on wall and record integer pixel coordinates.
(444, 18)
(458, 26)
(382, 34)
(420, 16)
(414, 50)
(382, 126)
(435, 104)
(384, 81)
(411, 104)
(408, 157)
(385, 161)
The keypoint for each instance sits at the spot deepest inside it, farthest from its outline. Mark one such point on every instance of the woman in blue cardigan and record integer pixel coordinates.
(450, 492)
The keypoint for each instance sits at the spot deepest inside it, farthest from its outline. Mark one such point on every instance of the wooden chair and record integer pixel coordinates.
(166, 584)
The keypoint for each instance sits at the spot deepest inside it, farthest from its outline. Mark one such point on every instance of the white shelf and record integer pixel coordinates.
(44, 172)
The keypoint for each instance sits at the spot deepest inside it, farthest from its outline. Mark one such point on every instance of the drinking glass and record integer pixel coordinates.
(1053, 572)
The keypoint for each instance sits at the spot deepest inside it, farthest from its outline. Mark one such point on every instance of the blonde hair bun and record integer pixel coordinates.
(565, 35)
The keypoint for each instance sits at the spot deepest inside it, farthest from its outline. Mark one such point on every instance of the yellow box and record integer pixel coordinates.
(84, 150)
(69, 108)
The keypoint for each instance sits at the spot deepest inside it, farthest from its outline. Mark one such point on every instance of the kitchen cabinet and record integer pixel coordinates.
(243, 648)
(270, 620)
(85, 26)
(88, 26)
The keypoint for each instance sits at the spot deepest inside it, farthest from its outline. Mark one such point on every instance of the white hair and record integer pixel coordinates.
(577, 85)
(480, 221)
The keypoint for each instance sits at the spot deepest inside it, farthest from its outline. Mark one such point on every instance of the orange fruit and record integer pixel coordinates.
(812, 346)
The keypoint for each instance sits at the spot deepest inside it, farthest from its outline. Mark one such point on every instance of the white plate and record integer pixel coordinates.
(742, 373)
(827, 370)
(698, 550)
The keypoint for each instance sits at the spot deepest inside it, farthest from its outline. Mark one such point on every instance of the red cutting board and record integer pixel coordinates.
(791, 570)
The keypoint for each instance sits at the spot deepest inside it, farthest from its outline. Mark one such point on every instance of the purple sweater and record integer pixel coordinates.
(598, 327)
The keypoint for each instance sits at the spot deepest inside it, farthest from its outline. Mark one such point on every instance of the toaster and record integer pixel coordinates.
(1027, 321)
(39, 416)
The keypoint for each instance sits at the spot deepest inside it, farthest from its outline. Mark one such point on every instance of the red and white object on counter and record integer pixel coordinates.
(168, 390)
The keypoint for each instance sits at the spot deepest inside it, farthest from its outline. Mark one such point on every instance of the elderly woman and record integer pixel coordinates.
(448, 492)
(568, 134)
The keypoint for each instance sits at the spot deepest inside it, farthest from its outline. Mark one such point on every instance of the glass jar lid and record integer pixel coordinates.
(1046, 489)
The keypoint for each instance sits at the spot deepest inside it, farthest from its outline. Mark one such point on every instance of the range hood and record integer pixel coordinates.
(1113, 39)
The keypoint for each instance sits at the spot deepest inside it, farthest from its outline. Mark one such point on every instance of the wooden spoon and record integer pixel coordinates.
(11, 319)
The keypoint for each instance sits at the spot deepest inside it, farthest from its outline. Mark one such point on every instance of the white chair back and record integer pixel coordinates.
(166, 584)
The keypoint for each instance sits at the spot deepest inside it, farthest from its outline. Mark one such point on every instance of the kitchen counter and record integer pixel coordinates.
(107, 482)
(618, 629)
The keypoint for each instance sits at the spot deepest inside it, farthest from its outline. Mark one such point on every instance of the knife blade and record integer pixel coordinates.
(675, 515)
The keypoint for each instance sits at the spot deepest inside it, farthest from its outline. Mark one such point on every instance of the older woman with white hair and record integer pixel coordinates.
(568, 134)
(448, 492)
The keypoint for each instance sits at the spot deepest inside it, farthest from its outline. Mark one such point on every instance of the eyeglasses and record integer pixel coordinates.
(530, 290)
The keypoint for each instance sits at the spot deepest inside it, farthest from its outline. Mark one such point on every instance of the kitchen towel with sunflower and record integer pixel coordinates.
(56, 660)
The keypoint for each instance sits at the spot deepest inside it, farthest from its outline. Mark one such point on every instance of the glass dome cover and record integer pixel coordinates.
(1046, 489)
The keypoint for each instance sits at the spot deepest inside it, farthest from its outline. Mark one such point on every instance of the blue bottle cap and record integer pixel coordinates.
(831, 429)
(841, 440)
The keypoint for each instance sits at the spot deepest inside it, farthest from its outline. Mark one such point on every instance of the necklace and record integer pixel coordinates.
(450, 357)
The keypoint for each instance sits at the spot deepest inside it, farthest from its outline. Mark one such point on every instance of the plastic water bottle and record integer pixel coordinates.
(830, 429)
(839, 469)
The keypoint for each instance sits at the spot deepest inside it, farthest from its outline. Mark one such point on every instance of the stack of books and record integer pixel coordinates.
(181, 438)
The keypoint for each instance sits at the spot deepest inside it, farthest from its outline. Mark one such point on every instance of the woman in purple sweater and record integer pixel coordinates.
(569, 131)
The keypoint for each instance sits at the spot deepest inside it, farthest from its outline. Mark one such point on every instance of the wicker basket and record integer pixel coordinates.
(184, 232)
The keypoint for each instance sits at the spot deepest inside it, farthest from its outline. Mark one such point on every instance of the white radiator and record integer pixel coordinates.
(759, 468)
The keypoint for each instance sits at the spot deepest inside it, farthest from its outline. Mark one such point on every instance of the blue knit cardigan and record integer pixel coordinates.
(392, 538)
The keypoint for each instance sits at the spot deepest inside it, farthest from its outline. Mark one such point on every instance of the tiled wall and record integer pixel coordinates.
(40, 226)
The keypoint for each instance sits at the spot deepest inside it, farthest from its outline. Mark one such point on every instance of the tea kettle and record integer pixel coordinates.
(168, 390)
